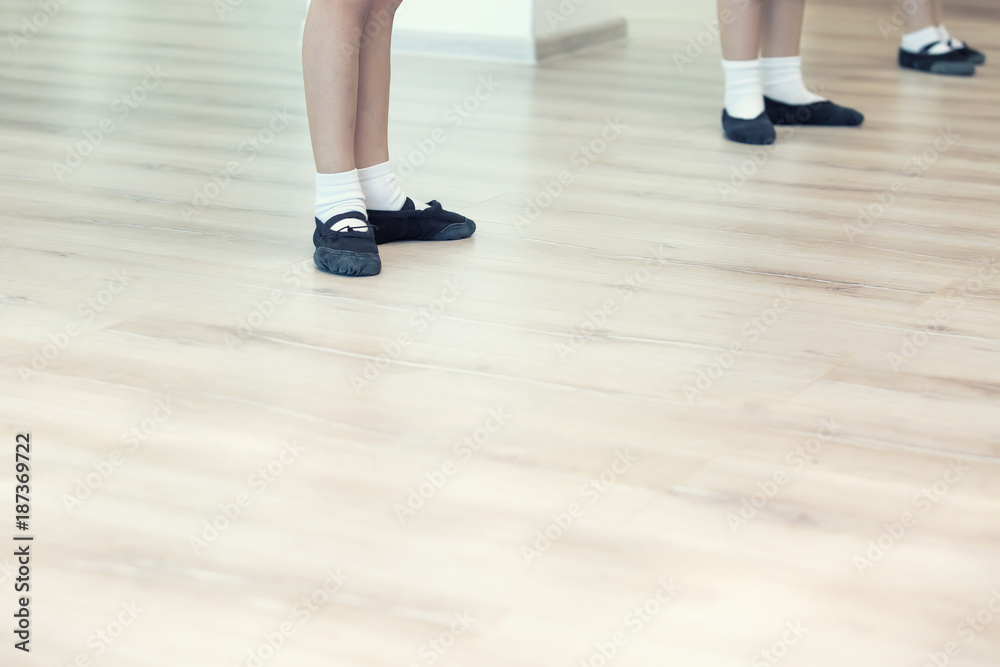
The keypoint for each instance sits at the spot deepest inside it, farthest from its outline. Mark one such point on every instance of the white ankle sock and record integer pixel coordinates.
(948, 39)
(382, 191)
(744, 95)
(339, 193)
(782, 81)
(915, 41)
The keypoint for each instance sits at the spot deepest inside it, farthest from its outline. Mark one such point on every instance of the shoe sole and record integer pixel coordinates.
(948, 68)
(455, 231)
(748, 141)
(347, 263)
(953, 69)
(793, 122)
(790, 124)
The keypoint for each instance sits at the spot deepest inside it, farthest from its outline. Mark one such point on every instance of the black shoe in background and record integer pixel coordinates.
(952, 63)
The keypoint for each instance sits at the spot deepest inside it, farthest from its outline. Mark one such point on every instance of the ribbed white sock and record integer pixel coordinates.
(915, 41)
(782, 81)
(946, 37)
(744, 94)
(382, 191)
(339, 193)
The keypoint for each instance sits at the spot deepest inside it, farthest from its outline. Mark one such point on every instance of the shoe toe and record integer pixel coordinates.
(757, 131)
(347, 263)
(849, 117)
(456, 231)
(765, 138)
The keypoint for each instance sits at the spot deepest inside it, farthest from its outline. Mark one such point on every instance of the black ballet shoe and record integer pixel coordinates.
(347, 252)
(428, 224)
(819, 113)
(757, 131)
(952, 63)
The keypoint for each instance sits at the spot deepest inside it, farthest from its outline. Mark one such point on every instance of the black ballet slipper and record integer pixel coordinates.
(952, 63)
(433, 223)
(346, 252)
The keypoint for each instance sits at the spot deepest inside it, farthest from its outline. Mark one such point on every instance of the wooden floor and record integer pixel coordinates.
(747, 418)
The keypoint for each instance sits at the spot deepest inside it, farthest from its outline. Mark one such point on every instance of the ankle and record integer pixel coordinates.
(381, 187)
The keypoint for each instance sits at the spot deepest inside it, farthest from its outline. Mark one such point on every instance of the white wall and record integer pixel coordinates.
(504, 18)
(513, 30)
(551, 16)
